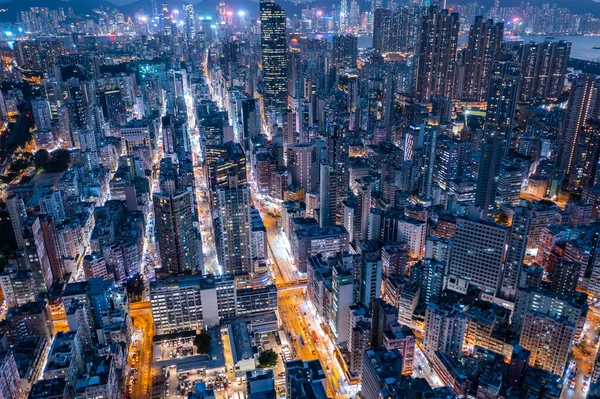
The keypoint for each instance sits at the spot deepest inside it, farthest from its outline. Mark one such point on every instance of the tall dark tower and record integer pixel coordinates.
(273, 38)
(436, 55)
(485, 39)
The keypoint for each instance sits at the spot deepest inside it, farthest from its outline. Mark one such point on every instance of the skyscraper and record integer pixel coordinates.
(175, 232)
(489, 167)
(436, 55)
(485, 39)
(273, 37)
(395, 30)
(190, 23)
(515, 253)
(345, 50)
(232, 227)
(42, 114)
(501, 103)
(543, 69)
(579, 109)
(303, 165)
(344, 16)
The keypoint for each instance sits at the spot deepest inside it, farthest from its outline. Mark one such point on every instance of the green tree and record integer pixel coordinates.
(268, 359)
(202, 343)
(40, 158)
(135, 288)
(19, 165)
(58, 162)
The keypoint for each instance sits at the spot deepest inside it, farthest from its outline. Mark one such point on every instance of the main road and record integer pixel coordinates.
(141, 315)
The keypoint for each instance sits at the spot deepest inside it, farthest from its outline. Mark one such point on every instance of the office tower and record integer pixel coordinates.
(232, 227)
(305, 380)
(487, 176)
(477, 255)
(501, 103)
(345, 50)
(543, 69)
(483, 49)
(354, 15)
(273, 38)
(42, 114)
(515, 253)
(177, 238)
(344, 16)
(303, 164)
(444, 330)
(436, 55)
(549, 338)
(582, 100)
(190, 23)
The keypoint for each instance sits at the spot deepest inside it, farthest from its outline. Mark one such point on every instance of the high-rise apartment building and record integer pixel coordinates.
(483, 48)
(232, 227)
(543, 69)
(436, 55)
(175, 232)
(501, 102)
(445, 330)
(581, 105)
(549, 338)
(303, 165)
(345, 50)
(515, 253)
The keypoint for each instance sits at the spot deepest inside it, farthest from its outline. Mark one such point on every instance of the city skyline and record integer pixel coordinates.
(310, 201)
